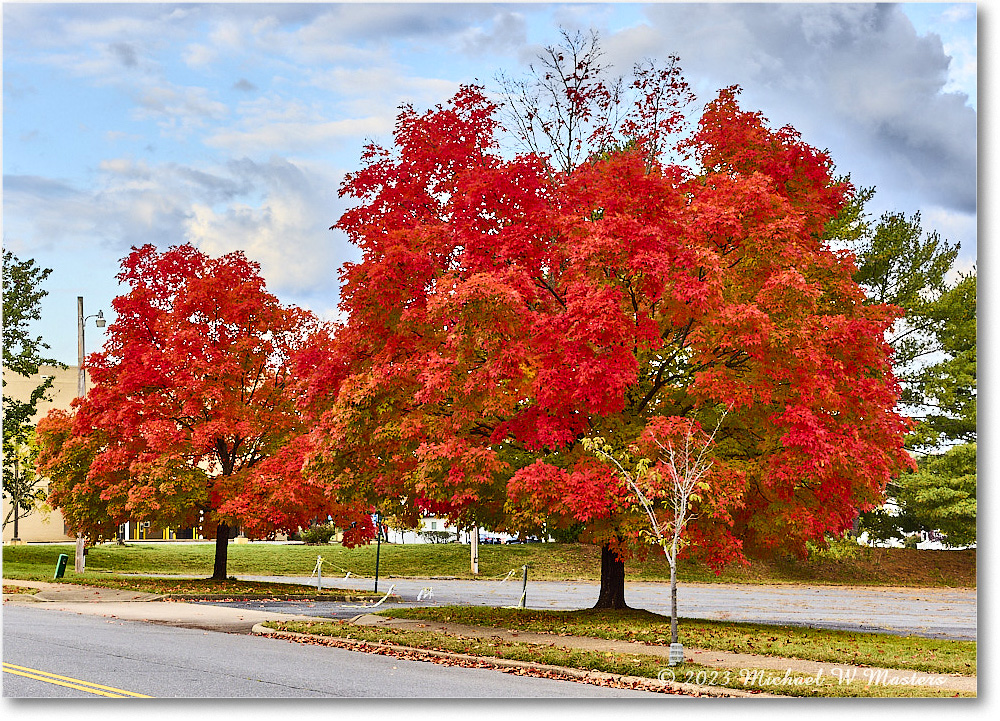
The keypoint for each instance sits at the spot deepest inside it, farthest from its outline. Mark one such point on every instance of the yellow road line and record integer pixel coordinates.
(75, 683)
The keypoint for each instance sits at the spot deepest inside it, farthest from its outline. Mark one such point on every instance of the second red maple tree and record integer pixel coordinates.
(198, 407)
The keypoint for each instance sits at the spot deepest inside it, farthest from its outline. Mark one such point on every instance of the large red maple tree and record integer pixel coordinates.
(504, 310)
(199, 402)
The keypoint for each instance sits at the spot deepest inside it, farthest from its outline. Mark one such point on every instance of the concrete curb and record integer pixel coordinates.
(340, 597)
(633, 682)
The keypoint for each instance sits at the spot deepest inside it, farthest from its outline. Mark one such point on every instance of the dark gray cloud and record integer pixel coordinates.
(244, 85)
(14, 88)
(212, 187)
(471, 28)
(379, 21)
(125, 53)
(856, 79)
(38, 186)
(506, 33)
(277, 172)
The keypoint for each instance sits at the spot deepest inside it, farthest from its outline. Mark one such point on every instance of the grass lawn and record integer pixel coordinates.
(847, 647)
(842, 564)
(180, 588)
(108, 564)
(607, 662)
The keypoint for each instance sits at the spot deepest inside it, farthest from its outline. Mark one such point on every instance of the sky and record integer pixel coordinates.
(231, 126)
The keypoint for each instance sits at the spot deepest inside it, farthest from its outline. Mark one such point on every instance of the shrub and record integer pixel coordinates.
(437, 536)
(320, 533)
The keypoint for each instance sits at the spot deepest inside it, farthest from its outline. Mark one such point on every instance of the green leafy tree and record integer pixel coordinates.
(23, 354)
(23, 488)
(941, 495)
(935, 361)
(934, 344)
(22, 297)
(944, 390)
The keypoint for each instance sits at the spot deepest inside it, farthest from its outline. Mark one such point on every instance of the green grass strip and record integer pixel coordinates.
(607, 662)
(829, 646)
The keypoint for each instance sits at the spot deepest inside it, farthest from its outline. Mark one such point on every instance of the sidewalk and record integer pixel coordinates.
(67, 593)
(144, 607)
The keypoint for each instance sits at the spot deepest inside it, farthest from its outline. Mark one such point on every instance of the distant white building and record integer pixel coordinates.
(434, 529)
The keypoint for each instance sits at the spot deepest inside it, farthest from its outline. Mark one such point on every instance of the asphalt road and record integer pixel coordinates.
(87, 656)
(933, 613)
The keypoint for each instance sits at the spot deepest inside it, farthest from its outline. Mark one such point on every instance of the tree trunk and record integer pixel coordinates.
(612, 580)
(17, 483)
(673, 601)
(221, 552)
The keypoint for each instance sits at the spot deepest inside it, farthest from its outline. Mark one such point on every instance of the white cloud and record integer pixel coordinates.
(964, 67)
(115, 136)
(44, 212)
(294, 136)
(854, 78)
(178, 111)
(287, 232)
(175, 106)
(394, 86)
(279, 212)
(198, 56)
(126, 168)
(953, 227)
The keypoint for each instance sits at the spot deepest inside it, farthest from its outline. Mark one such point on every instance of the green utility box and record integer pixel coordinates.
(61, 565)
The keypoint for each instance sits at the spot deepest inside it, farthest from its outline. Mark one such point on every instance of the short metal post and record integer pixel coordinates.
(524, 588)
(80, 561)
(474, 549)
(378, 545)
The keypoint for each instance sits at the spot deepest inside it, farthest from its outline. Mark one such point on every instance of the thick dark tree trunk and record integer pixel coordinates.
(612, 580)
(221, 552)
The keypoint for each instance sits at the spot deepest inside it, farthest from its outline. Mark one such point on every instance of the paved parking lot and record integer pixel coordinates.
(934, 613)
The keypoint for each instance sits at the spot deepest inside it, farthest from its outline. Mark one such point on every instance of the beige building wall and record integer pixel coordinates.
(43, 524)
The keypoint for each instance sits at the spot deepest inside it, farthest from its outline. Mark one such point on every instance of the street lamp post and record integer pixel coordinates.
(79, 562)
(81, 321)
